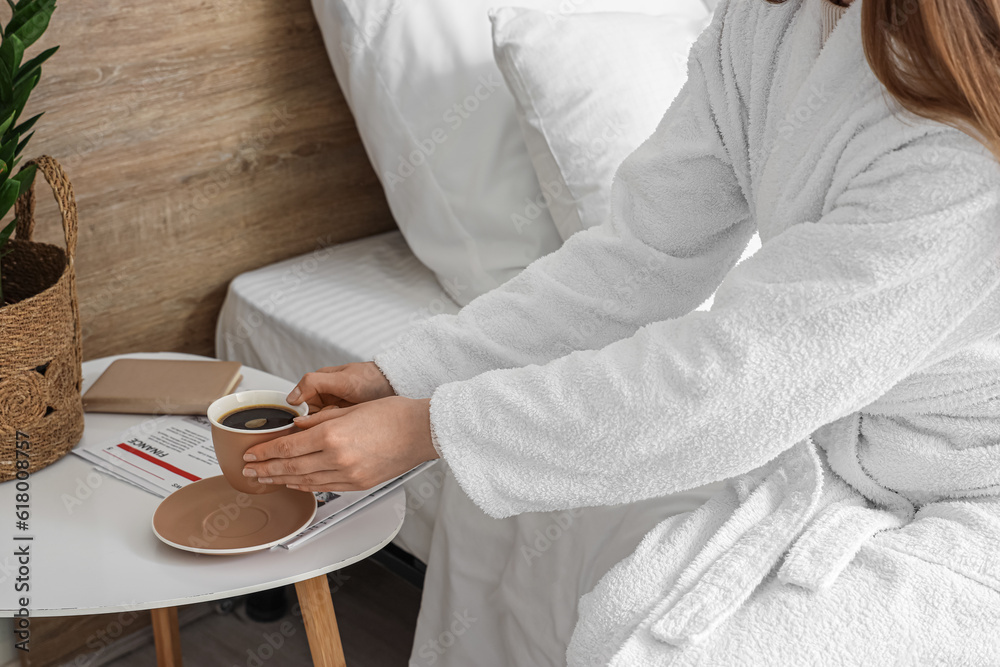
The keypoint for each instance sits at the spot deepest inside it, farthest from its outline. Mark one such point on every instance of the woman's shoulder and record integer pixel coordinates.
(940, 173)
(904, 144)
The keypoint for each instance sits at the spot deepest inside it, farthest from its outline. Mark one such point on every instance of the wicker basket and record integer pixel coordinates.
(40, 339)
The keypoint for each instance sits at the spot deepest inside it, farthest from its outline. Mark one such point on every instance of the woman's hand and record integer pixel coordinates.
(347, 449)
(341, 386)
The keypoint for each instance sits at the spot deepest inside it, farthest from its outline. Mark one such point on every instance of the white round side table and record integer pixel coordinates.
(93, 551)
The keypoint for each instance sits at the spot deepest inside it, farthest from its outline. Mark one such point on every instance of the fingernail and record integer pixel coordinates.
(299, 418)
(249, 457)
(265, 480)
(249, 472)
(292, 486)
(294, 396)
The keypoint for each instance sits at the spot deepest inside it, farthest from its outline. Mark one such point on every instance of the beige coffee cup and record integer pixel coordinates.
(232, 443)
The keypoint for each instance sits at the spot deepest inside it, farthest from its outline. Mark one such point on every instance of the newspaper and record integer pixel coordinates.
(353, 505)
(160, 455)
(166, 453)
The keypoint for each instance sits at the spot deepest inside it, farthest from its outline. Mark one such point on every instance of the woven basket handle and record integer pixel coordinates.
(62, 190)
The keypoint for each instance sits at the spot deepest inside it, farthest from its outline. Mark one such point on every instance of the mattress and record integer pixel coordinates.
(336, 305)
(333, 306)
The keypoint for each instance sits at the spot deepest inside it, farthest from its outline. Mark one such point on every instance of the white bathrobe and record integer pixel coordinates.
(846, 380)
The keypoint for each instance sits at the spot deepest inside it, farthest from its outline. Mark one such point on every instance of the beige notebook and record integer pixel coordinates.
(161, 386)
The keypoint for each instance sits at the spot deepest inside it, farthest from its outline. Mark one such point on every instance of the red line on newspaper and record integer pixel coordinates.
(163, 464)
(134, 465)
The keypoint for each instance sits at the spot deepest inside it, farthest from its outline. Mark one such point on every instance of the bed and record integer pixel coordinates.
(530, 163)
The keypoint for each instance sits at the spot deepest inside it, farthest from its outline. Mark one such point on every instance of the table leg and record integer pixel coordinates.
(321, 622)
(167, 636)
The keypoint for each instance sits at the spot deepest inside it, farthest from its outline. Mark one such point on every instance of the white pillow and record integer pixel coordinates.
(440, 129)
(589, 89)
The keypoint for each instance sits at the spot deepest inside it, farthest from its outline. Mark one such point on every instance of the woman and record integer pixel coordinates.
(845, 382)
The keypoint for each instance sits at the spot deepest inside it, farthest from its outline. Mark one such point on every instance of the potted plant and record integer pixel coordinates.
(29, 19)
(41, 415)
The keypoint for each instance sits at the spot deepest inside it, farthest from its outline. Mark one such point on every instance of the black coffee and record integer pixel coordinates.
(259, 417)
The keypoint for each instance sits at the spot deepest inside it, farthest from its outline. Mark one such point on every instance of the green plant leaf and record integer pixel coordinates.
(34, 26)
(7, 231)
(3, 170)
(6, 124)
(11, 52)
(8, 150)
(21, 92)
(8, 195)
(30, 67)
(27, 125)
(25, 177)
(25, 5)
(6, 83)
(25, 12)
(23, 86)
(15, 19)
(20, 146)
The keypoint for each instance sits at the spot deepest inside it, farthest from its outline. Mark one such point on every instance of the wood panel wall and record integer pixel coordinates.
(203, 138)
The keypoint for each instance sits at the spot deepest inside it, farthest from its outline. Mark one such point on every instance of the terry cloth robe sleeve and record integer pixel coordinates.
(682, 224)
(826, 317)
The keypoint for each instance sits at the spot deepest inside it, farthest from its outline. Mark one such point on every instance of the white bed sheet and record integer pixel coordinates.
(333, 306)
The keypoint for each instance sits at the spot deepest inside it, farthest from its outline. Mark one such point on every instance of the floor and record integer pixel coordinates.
(376, 611)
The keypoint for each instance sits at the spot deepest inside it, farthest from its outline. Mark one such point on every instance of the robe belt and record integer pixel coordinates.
(780, 515)
(830, 542)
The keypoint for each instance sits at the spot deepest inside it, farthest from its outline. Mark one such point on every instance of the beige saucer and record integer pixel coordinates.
(211, 517)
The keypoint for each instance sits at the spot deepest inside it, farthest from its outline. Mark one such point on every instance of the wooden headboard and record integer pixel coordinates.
(203, 139)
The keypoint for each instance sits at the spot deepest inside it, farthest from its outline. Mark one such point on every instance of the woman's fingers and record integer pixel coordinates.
(290, 470)
(322, 478)
(342, 386)
(332, 369)
(313, 385)
(317, 488)
(326, 401)
(347, 449)
(285, 447)
(325, 414)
